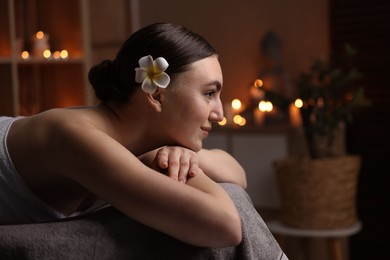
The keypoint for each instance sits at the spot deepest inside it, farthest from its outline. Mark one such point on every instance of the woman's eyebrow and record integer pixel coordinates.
(215, 83)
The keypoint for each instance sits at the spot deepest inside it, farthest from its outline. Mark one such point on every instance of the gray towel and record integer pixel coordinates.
(108, 234)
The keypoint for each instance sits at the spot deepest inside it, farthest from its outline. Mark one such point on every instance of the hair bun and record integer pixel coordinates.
(102, 78)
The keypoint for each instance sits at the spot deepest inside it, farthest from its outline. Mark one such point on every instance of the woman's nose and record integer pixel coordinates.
(216, 113)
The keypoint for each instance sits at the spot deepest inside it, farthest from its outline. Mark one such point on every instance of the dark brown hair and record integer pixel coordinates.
(114, 80)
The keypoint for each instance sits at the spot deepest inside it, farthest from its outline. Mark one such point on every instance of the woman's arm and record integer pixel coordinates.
(200, 213)
(217, 164)
(221, 167)
(177, 162)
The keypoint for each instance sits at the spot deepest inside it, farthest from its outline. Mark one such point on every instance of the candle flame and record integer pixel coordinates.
(25, 55)
(265, 106)
(64, 54)
(298, 103)
(236, 103)
(258, 83)
(223, 121)
(56, 55)
(47, 54)
(239, 120)
(39, 35)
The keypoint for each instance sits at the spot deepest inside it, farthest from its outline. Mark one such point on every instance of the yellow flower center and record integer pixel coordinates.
(152, 73)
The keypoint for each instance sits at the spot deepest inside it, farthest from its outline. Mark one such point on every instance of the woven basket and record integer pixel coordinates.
(318, 194)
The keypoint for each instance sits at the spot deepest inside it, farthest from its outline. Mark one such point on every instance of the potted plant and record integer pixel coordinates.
(330, 96)
(318, 191)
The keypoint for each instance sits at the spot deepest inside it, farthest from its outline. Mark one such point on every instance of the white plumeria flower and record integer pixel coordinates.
(151, 73)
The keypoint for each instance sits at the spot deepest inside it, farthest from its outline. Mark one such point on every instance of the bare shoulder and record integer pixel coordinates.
(77, 139)
(44, 123)
(55, 141)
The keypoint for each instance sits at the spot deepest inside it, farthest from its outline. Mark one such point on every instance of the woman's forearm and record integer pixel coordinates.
(221, 167)
(217, 164)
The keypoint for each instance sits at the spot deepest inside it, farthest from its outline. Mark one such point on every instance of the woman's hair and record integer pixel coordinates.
(114, 80)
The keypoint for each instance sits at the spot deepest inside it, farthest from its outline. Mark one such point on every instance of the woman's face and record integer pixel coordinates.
(192, 102)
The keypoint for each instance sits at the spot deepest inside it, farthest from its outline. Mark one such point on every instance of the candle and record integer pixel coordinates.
(255, 90)
(259, 116)
(40, 43)
(295, 113)
(260, 112)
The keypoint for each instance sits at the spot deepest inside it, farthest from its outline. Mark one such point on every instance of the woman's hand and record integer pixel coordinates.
(180, 164)
(177, 162)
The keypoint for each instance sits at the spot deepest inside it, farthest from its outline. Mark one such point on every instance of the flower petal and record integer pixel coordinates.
(162, 80)
(146, 62)
(140, 75)
(151, 73)
(148, 86)
(160, 64)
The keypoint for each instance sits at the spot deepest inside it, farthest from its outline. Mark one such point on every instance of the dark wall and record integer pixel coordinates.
(366, 25)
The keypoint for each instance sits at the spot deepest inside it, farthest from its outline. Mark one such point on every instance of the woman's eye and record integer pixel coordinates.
(210, 94)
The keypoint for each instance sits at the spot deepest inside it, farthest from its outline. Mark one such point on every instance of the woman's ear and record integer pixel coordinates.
(156, 99)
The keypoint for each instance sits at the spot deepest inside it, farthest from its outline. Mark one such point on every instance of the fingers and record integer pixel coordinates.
(194, 166)
(180, 162)
(162, 158)
(181, 170)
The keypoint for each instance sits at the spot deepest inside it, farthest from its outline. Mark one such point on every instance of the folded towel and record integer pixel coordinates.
(109, 234)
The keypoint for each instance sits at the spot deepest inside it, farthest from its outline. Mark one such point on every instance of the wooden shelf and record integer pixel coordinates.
(4, 60)
(29, 86)
(39, 61)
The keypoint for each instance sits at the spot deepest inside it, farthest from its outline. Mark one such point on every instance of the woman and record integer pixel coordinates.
(159, 98)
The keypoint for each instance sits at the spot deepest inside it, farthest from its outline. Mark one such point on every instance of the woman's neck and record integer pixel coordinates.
(130, 126)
